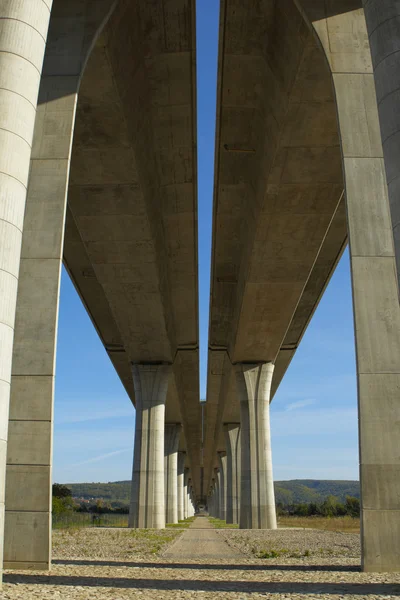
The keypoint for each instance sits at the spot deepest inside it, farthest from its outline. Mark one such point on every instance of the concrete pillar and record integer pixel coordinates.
(181, 487)
(223, 491)
(257, 498)
(171, 444)
(372, 255)
(383, 22)
(147, 509)
(185, 493)
(232, 439)
(28, 484)
(23, 34)
(217, 494)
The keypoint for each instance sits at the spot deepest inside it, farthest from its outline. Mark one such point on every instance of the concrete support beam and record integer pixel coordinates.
(383, 22)
(217, 494)
(181, 487)
(222, 459)
(28, 485)
(185, 493)
(23, 36)
(147, 509)
(171, 444)
(232, 439)
(257, 498)
(372, 255)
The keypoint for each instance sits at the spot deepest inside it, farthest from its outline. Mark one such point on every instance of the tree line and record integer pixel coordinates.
(331, 507)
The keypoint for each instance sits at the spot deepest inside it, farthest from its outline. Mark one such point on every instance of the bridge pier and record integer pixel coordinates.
(180, 485)
(22, 45)
(232, 439)
(217, 494)
(27, 536)
(147, 509)
(257, 498)
(171, 444)
(186, 493)
(222, 459)
(372, 255)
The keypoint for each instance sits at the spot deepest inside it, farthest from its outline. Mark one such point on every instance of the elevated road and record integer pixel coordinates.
(131, 231)
(279, 225)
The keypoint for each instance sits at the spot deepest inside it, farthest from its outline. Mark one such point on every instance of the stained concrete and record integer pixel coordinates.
(294, 127)
(23, 33)
(29, 459)
(147, 506)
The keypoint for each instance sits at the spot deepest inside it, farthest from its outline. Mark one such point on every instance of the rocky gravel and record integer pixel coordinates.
(286, 544)
(107, 564)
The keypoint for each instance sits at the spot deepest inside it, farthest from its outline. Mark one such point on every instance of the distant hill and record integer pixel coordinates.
(286, 492)
(314, 490)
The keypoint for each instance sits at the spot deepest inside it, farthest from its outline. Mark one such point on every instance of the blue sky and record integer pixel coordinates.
(314, 413)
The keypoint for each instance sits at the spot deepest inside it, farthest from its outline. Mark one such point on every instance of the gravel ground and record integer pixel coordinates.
(282, 545)
(102, 565)
(111, 543)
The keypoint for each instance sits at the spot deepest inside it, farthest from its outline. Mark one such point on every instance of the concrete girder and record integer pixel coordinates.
(250, 317)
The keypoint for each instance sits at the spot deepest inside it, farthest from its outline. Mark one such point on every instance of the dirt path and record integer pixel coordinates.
(201, 541)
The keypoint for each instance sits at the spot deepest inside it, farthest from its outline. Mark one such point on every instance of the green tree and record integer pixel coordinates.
(352, 506)
(61, 491)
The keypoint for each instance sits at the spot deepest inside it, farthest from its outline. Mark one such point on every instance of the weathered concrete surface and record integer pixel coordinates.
(233, 471)
(279, 225)
(257, 496)
(276, 227)
(383, 22)
(172, 434)
(23, 34)
(29, 458)
(180, 485)
(375, 292)
(147, 507)
(131, 231)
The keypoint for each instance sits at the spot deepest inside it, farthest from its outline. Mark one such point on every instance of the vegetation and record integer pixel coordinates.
(331, 507)
(300, 491)
(342, 524)
(296, 491)
(182, 524)
(221, 524)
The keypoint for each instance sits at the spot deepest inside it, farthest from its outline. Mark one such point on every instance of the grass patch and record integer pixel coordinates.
(221, 524)
(342, 524)
(182, 524)
(76, 520)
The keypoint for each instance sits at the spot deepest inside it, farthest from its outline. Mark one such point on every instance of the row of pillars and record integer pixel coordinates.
(242, 489)
(161, 488)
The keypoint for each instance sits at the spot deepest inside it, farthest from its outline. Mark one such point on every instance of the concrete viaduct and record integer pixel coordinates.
(98, 170)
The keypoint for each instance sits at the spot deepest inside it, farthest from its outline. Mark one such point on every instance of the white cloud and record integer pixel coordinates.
(77, 414)
(299, 404)
(101, 457)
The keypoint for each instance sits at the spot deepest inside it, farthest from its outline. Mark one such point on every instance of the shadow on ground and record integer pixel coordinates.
(206, 567)
(282, 587)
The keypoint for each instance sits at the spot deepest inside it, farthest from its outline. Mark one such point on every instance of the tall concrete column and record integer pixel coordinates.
(383, 22)
(23, 34)
(217, 494)
(223, 490)
(257, 498)
(185, 493)
(29, 458)
(181, 487)
(147, 509)
(171, 444)
(373, 265)
(232, 439)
